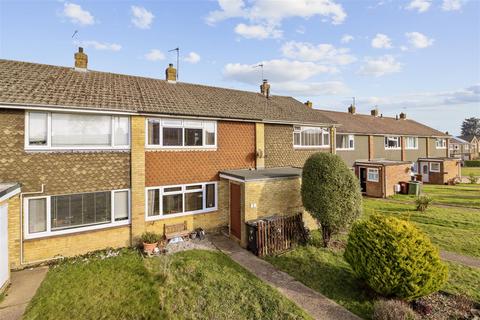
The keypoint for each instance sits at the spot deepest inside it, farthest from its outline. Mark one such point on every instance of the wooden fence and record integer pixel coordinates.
(278, 234)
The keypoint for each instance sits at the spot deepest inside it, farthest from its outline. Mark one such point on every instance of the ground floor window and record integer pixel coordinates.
(50, 215)
(171, 201)
(434, 167)
(372, 174)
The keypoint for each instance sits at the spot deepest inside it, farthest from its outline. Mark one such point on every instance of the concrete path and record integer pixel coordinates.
(24, 285)
(465, 260)
(314, 303)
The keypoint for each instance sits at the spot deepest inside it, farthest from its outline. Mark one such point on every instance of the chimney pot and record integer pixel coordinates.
(171, 73)
(374, 112)
(352, 109)
(309, 103)
(265, 88)
(403, 116)
(81, 60)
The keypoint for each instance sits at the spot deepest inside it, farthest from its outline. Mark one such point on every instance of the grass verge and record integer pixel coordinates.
(467, 170)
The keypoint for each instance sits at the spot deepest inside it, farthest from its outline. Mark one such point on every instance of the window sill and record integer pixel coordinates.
(310, 147)
(176, 215)
(345, 149)
(393, 148)
(51, 150)
(411, 148)
(179, 149)
(73, 231)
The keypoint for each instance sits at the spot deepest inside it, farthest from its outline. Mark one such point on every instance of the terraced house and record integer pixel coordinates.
(90, 160)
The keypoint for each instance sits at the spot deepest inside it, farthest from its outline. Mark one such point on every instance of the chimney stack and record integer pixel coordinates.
(309, 103)
(403, 116)
(265, 88)
(81, 60)
(171, 73)
(374, 112)
(352, 109)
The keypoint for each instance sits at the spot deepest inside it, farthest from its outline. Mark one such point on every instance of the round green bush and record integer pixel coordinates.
(394, 258)
(330, 193)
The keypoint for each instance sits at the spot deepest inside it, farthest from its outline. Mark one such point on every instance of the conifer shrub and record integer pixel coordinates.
(422, 202)
(330, 193)
(394, 258)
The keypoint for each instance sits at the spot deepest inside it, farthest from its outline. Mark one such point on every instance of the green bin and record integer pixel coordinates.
(414, 187)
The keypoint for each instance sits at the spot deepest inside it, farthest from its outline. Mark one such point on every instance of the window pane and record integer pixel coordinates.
(326, 138)
(37, 128)
(121, 125)
(210, 195)
(172, 136)
(194, 187)
(121, 205)
(172, 189)
(153, 132)
(209, 133)
(80, 130)
(194, 201)
(341, 141)
(153, 202)
(296, 138)
(37, 215)
(193, 137)
(172, 203)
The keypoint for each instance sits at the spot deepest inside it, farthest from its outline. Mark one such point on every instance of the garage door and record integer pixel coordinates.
(3, 244)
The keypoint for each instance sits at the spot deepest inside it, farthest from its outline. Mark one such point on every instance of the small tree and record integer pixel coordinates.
(331, 193)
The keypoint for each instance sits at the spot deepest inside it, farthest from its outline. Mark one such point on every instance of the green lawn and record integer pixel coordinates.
(467, 170)
(467, 195)
(327, 272)
(452, 229)
(188, 285)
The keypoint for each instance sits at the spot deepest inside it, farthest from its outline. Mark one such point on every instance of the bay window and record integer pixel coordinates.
(310, 137)
(441, 143)
(411, 142)
(57, 131)
(61, 214)
(345, 142)
(178, 133)
(171, 201)
(392, 142)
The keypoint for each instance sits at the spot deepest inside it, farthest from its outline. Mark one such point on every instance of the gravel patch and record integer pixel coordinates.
(189, 244)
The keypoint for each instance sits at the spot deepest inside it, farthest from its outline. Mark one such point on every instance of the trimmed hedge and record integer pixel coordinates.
(394, 258)
(471, 163)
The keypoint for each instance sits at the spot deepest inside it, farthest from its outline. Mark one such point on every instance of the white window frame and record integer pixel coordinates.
(399, 142)
(441, 143)
(183, 124)
(373, 171)
(351, 138)
(407, 147)
(183, 192)
(49, 232)
(49, 146)
(300, 129)
(435, 170)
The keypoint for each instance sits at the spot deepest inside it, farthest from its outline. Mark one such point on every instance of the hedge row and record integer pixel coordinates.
(472, 163)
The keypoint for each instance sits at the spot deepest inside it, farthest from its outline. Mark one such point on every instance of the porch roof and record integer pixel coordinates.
(382, 162)
(7, 188)
(245, 175)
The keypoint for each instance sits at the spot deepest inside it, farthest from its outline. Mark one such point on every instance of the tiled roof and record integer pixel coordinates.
(367, 124)
(38, 84)
(467, 138)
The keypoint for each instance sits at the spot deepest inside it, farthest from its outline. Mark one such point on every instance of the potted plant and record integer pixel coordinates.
(150, 241)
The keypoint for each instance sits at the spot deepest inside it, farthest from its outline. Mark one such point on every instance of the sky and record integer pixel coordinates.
(421, 57)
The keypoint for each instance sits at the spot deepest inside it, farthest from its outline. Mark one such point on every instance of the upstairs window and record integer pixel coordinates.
(310, 137)
(177, 133)
(441, 143)
(345, 142)
(411, 142)
(392, 142)
(57, 131)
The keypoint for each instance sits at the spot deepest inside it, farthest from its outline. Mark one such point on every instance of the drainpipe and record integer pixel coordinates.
(42, 190)
(384, 182)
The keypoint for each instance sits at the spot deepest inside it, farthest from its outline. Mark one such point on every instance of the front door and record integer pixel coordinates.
(425, 172)
(235, 212)
(363, 179)
(3, 245)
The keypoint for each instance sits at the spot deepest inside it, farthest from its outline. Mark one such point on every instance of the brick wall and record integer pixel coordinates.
(395, 174)
(449, 169)
(279, 150)
(236, 150)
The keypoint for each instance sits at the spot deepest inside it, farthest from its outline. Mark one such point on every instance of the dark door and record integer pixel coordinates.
(235, 214)
(363, 179)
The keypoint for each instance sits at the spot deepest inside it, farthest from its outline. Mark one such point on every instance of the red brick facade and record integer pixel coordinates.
(235, 150)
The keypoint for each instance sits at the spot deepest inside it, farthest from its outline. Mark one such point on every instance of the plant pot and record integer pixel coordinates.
(149, 247)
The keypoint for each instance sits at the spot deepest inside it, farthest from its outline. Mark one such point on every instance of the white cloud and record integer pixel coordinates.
(347, 38)
(99, 45)
(419, 5)
(380, 66)
(141, 17)
(301, 30)
(452, 5)
(154, 55)
(381, 41)
(77, 15)
(419, 40)
(269, 14)
(257, 31)
(324, 52)
(192, 57)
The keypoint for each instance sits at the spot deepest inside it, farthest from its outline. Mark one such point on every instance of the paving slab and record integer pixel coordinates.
(24, 285)
(314, 303)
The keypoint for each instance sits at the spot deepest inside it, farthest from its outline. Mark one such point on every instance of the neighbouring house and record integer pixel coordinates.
(380, 178)
(474, 149)
(461, 149)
